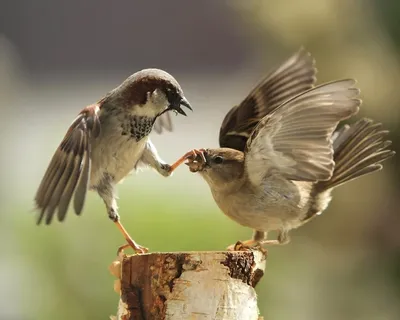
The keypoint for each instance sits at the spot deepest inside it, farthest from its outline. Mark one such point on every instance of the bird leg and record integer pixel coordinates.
(151, 158)
(106, 191)
(259, 240)
(113, 215)
(191, 155)
(131, 243)
(283, 238)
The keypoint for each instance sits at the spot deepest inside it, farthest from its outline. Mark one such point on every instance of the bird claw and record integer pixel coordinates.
(248, 245)
(191, 157)
(136, 247)
(234, 247)
(196, 155)
(196, 159)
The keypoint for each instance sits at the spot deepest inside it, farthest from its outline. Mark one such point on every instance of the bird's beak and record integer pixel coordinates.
(177, 107)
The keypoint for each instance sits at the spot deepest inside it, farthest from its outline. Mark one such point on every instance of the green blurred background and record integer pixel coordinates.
(57, 57)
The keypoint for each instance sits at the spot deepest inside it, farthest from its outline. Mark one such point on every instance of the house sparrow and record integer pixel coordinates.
(108, 140)
(280, 158)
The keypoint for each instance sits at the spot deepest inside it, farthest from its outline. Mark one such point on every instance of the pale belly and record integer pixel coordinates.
(115, 159)
(265, 210)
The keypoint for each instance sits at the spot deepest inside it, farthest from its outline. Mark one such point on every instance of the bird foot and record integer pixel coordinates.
(197, 160)
(190, 156)
(136, 247)
(247, 245)
(131, 243)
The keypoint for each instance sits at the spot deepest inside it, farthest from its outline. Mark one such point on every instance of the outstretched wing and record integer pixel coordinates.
(294, 76)
(68, 172)
(296, 140)
(163, 122)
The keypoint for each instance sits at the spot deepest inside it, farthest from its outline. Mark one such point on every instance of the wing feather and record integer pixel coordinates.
(69, 169)
(294, 76)
(296, 140)
(70, 186)
(163, 122)
(83, 183)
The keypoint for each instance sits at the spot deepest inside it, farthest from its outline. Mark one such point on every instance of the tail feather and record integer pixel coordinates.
(358, 150)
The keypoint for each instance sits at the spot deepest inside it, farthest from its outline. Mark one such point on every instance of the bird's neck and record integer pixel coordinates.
(225, 186)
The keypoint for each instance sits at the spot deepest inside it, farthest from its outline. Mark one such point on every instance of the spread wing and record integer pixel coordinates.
(163, 122)
(68, 173)
(296, 140)
(294, 76)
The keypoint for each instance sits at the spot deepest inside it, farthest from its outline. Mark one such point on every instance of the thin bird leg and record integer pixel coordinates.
(191, 154)
(131, 243)
(283, 238)
(107, 193)
(259, 235)
(247, 244)
(259, 239)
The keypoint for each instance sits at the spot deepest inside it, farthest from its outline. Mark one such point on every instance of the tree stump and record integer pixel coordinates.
(189, 285)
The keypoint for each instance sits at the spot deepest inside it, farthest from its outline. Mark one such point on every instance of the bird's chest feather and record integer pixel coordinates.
(272, 206)
(119, 147)
(136, 127)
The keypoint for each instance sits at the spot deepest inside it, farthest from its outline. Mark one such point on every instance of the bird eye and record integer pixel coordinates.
(218, 160)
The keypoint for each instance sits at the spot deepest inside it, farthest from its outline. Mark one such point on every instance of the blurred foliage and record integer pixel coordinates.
(388, 14)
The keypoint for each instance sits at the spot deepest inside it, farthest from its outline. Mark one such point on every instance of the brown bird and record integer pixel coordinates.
(280, 157)
(108, 140)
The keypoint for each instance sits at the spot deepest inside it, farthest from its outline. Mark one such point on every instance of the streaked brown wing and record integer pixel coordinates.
(163, 122)
(294, 76)
(359, 149)
(296, 140)
(68, 172)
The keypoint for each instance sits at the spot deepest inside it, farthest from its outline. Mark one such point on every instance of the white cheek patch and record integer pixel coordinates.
(159, 100)
(156, 103)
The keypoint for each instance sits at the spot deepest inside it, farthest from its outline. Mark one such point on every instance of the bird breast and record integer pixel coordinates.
(274, 206)
(118, 148)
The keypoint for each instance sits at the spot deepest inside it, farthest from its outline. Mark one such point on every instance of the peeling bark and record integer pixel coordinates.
(189, 285)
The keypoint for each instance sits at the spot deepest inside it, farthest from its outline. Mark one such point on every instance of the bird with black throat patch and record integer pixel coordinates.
(106, 142)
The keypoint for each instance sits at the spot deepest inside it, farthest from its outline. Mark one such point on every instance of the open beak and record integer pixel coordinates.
(177, 107)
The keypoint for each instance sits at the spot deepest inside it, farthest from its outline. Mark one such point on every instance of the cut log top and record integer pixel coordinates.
(189, 285)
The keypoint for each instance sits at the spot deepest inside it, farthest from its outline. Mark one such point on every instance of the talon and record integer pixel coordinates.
(203, 157)
(247, 245)
(236, 247)
(196, 154)
(136, 247)
(121, 249)
(190, 156)
(193, 154)
(240, 246)
(131, 243)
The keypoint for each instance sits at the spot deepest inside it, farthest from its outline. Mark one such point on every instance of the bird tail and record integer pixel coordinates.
(359, 149)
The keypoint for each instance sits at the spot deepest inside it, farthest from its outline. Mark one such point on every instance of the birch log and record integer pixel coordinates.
(189, 285)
